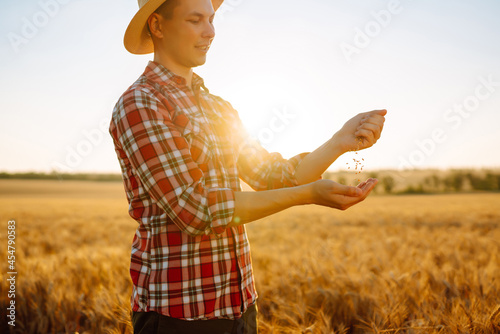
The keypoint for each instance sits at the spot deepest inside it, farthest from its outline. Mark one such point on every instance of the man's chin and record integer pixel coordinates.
(198, 62)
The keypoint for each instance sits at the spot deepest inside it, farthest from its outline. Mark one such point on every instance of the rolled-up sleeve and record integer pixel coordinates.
(265, 171)
(161, 158)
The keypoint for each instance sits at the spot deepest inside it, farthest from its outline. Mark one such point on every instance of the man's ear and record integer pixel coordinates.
(154, 25)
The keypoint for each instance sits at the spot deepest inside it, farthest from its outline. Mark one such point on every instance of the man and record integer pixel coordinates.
(182, 152)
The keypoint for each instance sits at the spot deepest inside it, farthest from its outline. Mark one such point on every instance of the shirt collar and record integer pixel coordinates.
(162, 75)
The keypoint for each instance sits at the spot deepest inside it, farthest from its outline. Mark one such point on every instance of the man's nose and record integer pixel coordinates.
(209, 31)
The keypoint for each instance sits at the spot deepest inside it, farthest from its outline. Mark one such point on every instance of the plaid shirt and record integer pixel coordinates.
(181, 154)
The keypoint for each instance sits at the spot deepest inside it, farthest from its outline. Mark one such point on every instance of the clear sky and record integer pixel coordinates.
(295, 71)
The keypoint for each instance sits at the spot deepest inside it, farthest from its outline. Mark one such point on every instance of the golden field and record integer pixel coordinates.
(393, 264)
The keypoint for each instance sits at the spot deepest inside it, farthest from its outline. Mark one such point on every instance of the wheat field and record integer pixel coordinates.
(393, 264)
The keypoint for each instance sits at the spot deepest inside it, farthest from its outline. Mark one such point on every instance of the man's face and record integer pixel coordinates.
(188, 34)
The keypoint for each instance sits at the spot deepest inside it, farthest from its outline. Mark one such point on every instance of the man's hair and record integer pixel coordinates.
(166, 10)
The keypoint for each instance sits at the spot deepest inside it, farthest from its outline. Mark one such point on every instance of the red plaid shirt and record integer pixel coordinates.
(181, 154)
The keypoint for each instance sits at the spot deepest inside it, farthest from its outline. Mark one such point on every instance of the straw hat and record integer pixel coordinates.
(137, 39)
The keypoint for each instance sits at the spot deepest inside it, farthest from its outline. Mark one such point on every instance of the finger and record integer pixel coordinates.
(368, 187)
(370, 126)
(375, 129)
(375, 119)
(381, 112)
(377, 122)
(367, 134)
(361, 185)
(374, 113)
(368, 191)
(367, 183)
(348, 190)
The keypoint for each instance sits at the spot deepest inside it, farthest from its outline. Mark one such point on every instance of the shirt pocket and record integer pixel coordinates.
(200, 146)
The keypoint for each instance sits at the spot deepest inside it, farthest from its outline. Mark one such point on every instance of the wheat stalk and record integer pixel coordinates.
(493, 318)
(410, 327)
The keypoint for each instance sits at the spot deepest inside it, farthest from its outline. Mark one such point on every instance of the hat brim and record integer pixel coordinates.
(137, 39)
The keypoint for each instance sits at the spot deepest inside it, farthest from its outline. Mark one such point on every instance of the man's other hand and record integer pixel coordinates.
(335, 195)
(361, 131)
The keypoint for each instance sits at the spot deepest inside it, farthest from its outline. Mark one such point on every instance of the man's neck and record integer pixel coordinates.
(185, 72)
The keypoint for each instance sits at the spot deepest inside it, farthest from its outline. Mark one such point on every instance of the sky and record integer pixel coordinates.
(296, 71)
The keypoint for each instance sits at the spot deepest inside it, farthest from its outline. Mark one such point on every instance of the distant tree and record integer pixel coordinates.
(414, 190)
(388, 184)
(459, 181)
(341, 180)
(455, 181)
(490, 182)
(433, 182)
(473, 180)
